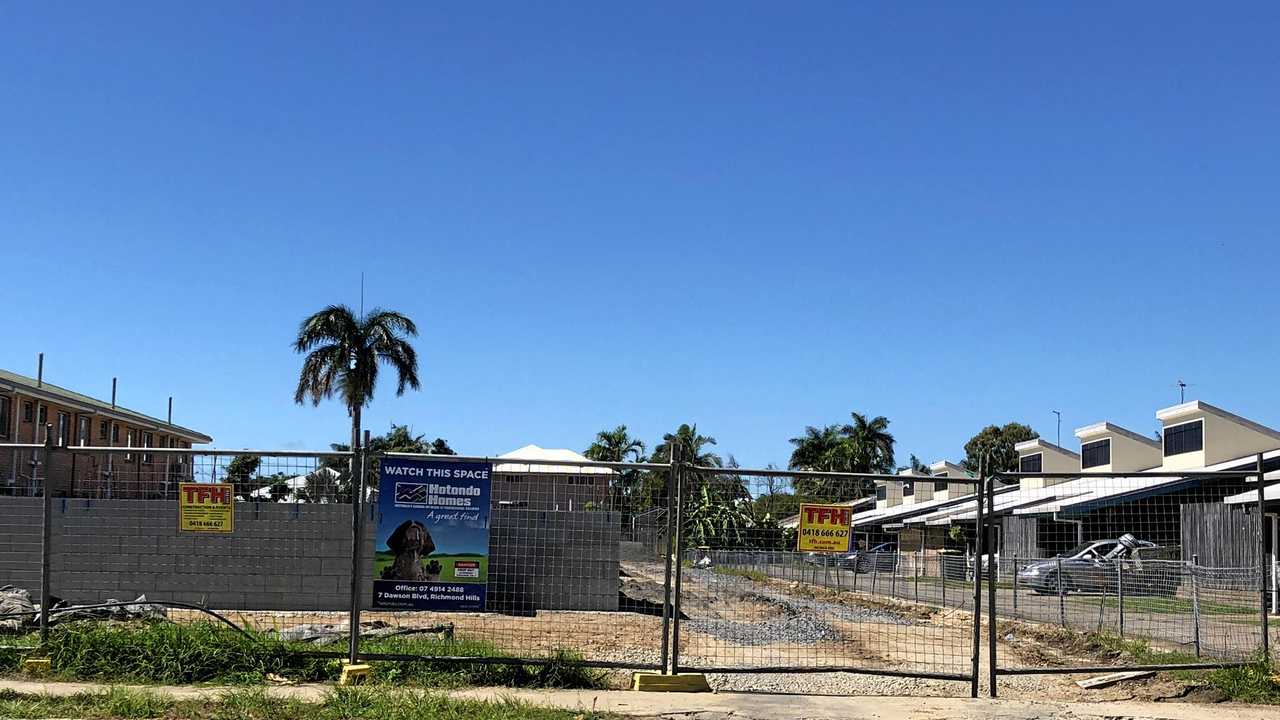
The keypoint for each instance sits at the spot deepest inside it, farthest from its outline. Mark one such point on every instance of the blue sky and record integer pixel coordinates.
(751, 216)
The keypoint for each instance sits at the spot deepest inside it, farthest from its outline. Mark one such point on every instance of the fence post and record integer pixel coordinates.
(1062, 600)
(977, 583)
(993, 568)
(666, 582)
(1015, 583)
(46, 534)
(1262, 564)
(677, 463)
(357, 544)
(942, 574)
(916, 570)
(875, 571)
(893, 580)
(1195, 602)
(1120, 593)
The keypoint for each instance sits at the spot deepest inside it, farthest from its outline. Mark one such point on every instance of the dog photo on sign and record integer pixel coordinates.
(411, 544)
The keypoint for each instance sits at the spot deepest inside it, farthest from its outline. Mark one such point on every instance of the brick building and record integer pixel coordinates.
(29, 405)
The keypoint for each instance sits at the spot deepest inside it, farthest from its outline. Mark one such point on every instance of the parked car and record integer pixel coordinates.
(881, 558)
(1125, 563)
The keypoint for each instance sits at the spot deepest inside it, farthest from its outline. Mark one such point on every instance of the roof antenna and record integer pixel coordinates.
(1182, 391)
(1059, 414)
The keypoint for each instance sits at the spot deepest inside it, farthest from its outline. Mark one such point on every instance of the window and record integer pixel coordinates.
(103, 429)
(64, 429)
(1031, 463)
(128, 457)
(44, 415)
(82, 431)
(115, 433)
(148, 440)
(1095, 453)
(882, 493)
(908, 489)
(940, 485)
(26, 412)
(5, 404)
(1184, 438)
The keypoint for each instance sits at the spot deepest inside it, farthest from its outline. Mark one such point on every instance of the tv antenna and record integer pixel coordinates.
(1059, 414)
(1182, 390)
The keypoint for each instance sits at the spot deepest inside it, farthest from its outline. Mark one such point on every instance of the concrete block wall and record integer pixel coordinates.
(288, 556)
(548, 560)
(20, 543)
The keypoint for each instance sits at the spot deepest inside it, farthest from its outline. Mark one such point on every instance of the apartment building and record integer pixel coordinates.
(32, 410)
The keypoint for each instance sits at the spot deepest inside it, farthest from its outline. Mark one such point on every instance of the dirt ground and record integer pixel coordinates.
(733, 621)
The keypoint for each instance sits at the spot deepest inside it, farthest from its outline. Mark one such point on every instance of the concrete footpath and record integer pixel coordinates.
(744, 706)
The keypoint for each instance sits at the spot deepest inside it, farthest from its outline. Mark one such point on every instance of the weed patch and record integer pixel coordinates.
(185, 653)
(254, 704)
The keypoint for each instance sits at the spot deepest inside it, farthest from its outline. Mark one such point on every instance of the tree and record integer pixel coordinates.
(863, 446)
(916, 467)
(713, 522)
(869, 444)
(617, 445)
(399, 438)
(692, 447)
(343, 355)
(997, 442)
(694, 450)
(815, 449)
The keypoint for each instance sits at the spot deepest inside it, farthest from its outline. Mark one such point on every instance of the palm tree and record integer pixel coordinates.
(815, 449)
(864, 446)
(617, 445)
(614, 446)
(343, 354)
(691, 446)
(869, 446)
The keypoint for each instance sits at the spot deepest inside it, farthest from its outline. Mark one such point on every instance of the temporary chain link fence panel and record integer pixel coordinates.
(275, 556)
(1112, 570)
(897, 601)
(576, 563)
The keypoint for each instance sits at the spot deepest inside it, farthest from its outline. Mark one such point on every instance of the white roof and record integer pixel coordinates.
(793, 521)
(533, 452)
(1084, 489)
(1251, 496)
(295, 483)
(879, 516)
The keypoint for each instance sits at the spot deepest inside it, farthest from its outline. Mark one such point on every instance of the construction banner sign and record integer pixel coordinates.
(824, 528)
(206, 507)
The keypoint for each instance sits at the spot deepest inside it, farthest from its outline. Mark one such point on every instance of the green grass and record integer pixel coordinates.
(383, 559)
(254, 704)
(1176, 605)
(1252, 683)
(753, 575)
(183, 653)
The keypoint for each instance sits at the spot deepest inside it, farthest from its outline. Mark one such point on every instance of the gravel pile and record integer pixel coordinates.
(791, 630)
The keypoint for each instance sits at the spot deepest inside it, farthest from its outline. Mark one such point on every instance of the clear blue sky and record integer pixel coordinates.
(749, 216)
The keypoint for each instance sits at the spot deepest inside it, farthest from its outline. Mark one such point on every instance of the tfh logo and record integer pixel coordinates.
(207, 494)
(826, 516)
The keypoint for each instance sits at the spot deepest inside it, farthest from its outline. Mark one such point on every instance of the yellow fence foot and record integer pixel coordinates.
(657, 682)
(36, 666)
(354, 674)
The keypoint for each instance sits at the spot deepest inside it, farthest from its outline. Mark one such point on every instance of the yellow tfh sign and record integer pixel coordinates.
(206, 507)
(824, 528)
